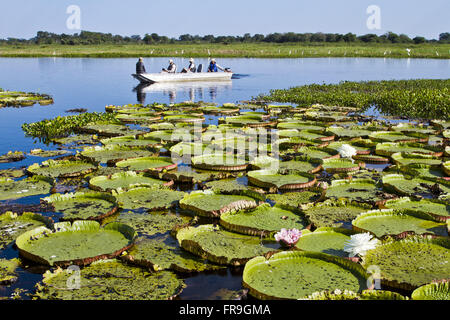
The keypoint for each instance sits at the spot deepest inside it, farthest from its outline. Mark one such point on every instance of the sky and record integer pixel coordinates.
(23, 18)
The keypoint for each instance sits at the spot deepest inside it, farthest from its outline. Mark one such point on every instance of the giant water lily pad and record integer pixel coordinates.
(348, 133)
(220, 162)
(440, 210)
(295, 201)
(326, 240)
(124, 180)
(300, 125)
(210, 204)
(411, 262)
(416, 186)
(149, 224)
(113, 153)
(362, 146)
(61, 168)
(163, 255)
(13, 225)
(296, 274)
(147, 164)
(432, 291)
(274, 179)
(335, 213)
(83, 205)
(109, 280)
(132, 141)
(318, 153)
(262, 220)
(404, 159)
(106, 129)
(309, 166)
(152, 198)
(394, 222)
(395, 136)
(341, 165)
(12, 189)
(389, 148)
(219, 246)
(226, 186)
(7, 271)
(12, 156)
(81, 242)
(361, 190)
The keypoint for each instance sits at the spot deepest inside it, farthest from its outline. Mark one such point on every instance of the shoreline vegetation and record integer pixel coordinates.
(418, 99)
(232, 50)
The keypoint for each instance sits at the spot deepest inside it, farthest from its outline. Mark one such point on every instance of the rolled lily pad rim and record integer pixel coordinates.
(76, 226)
(253, 263)
(289, 186)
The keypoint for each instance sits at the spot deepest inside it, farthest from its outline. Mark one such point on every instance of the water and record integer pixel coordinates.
(94, 83)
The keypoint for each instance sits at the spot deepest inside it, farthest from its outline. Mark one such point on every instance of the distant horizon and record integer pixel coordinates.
(22, 19)
(221, 35)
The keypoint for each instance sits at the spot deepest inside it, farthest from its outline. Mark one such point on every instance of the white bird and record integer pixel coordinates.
(409, 51)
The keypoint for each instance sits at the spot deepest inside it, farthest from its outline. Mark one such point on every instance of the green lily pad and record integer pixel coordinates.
(83, 205)
(361, 190)
(106, 129)
(395, 221)
(12, 189)
(220, 162)
(420, 171)
(147, 164)
(411, 262)
(80, 243)
(209, 204)
(295, 201)
(132, 141)
(13, 225)
(188, 149)
(325, 240)
(348, 133)
(226, 186)
(341, 165)
(109, 280)
(48, 153)
(12, 173)
(296, 274)
(308, 166)
(76, 140)
(404, 159)
(400, 185)
(123, 180)
(389, 148)
(61, 168)
(12, 156)
(440, 210)
(362, 146)
(152, 198)
(149, 224)
(300, 125)
(395, 136)
(262, 221)
(113, 153)
(335, 213)
(163, 255)
(219, 246)
(8, 271)
(273, 179)
(318, 153)
(432, 291)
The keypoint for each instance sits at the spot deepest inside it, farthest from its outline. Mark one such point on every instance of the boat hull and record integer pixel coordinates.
(182, 77)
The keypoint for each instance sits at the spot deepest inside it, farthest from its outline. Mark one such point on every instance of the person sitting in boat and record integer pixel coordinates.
(190, 68)
(172, 68)
(213, 66)
(140, 68)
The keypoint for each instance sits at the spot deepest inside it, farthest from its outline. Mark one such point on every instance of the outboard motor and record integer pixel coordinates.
(200, 68)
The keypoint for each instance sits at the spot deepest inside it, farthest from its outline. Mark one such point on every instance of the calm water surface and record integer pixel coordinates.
(94, 83)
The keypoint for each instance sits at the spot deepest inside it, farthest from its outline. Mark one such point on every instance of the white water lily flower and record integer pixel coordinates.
(346, 151)
(359, 244)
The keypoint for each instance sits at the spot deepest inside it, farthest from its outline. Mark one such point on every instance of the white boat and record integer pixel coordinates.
(182, 77)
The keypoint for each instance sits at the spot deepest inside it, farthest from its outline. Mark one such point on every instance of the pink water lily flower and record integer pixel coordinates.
(288, 237)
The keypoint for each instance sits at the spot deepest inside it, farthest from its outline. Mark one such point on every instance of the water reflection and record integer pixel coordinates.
(192, 91)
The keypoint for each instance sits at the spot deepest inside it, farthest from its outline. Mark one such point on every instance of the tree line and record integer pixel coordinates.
(97, 38)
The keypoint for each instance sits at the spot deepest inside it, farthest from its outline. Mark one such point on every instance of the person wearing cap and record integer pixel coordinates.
(190, 68)
(213, 66)
(172, 68)
(140, 68)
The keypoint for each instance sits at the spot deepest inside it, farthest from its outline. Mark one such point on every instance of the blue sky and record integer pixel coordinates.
(23, 18)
